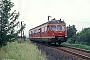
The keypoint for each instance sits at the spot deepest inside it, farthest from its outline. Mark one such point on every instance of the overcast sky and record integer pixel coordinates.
(35, 12)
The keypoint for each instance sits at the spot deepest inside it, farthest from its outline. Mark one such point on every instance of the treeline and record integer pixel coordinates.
(8, 23)
(82, 37)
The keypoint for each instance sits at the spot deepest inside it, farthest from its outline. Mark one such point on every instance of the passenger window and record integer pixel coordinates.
(38, 30)
(42, 29)
(45, 29)
(34, 31)
(29, 32)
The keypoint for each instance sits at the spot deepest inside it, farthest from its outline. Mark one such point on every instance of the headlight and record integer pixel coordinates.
(52, 34)
(65, 36)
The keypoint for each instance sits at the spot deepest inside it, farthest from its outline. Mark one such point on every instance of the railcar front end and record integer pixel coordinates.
(58, 32)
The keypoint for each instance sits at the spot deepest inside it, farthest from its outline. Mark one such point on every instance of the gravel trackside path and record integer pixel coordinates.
(52, 54)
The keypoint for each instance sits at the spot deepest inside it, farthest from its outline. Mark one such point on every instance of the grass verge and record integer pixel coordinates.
(77, 45)
(21, 50)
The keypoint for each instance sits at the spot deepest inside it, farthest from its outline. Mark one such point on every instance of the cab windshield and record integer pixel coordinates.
(59, 27)
(53, 27)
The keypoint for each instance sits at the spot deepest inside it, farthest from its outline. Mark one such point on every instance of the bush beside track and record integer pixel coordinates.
(20, 50)
(77, 45)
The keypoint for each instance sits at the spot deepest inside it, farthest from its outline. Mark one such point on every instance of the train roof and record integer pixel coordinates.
(53, 21)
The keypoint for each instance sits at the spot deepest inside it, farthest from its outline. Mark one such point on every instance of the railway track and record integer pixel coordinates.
(82, 54)
(77, 52)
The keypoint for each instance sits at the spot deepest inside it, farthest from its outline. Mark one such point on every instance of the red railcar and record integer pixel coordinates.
(50, 32)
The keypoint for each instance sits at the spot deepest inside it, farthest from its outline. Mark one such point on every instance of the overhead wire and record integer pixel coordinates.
(79, 21)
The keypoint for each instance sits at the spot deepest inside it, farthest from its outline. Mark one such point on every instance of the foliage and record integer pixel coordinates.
(82, 46)
(71, 30)
(8, 22)
(24, 51)
(82, 37)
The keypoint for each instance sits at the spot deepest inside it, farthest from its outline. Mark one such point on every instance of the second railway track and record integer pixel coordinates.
(81, 53)
(76, 52)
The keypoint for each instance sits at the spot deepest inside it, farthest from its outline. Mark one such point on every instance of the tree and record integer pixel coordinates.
(8, 22)
(71, 30)
(85, 36)
(82, 37)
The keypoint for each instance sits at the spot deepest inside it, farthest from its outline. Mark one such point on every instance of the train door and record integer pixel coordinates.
(49, 31)
(31, 34)
(40, 34)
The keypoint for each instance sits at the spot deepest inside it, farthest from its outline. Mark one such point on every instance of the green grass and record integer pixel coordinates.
(21, 50)
(77, 45)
